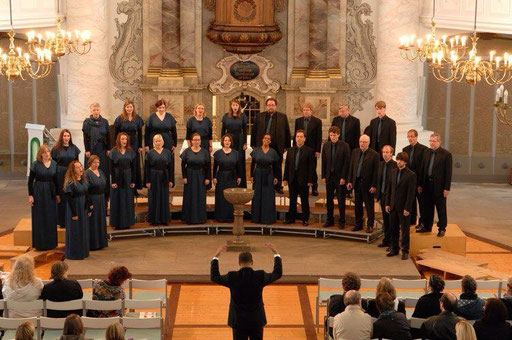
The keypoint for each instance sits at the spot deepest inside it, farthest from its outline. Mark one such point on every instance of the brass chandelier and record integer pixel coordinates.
(502, 106)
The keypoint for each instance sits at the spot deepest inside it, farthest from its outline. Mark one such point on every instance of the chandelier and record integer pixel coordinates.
(61, 42)
(16, 64)
(502, 106)
(426, 50)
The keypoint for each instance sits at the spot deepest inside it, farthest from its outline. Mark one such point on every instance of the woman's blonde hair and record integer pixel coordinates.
(22, 273)
(465, 330)
(115, 332)
(42, 149)
(197, 105)
(385, 286)
(25, 331)
(157, 136)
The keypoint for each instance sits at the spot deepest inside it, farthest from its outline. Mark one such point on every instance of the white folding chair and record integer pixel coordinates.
(133, 307)
(95, 327)
(33, 307)
(52, 327)
(87, 287)
(330, 324)
(368, 287)
(410, 304)
(72, 305)
(452, 285)
(419, 285)
(493, 288)
(334, 286)
(9, 325)
(102, 305)
(149, 290)
(140, 328)
(416, 322)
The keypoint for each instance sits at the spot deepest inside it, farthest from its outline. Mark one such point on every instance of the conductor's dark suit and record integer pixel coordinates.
(313, 135)
(387, 135)
(400, 196)
(434, 180)
(384, 175)
(298, 174)
(246, 310)
(417, 151)
(332, 171)
(352, 130)
(362, 181)
(279, 129)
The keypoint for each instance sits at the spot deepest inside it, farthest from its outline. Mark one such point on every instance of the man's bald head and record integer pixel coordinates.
(448, 302)
(352, 297)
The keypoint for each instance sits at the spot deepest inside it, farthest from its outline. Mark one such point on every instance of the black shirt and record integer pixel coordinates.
(60, 291)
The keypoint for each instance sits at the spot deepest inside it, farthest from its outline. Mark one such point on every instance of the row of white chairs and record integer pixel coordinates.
(329, 287)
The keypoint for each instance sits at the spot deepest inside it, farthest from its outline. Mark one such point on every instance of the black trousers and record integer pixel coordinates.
(417, 211)
(399, 224)
(245, 334)
(431, 201)
(303, 192)
(363, 195)
(315, 176)
(332, 188)
(279, 176)
(385, 219)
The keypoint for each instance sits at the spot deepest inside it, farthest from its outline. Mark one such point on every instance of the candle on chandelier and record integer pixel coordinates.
(19, 51)
(491, 55)
(498, 59)
(444, 39)
(214, 106)
(451, 42)
(420, 43)
(457, 39)
(31, 35)
(463, 40)
(39, 38)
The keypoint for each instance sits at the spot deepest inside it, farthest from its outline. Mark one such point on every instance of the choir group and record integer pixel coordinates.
(62, 193)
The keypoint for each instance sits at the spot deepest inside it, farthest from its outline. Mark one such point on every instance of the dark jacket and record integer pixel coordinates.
(305, 170)
(419, 152)
(246, 309)
(387, 133)
(492, 331)
(401, 196)
(440, 327)
(392, 326)
(352, 130)
(507, 300)
(427, 306)
(369, 169)
(314, 133)
(441, 171)
(341, 161)
(470, 306)
(391, 165)
(336, 304)
(371, 308)
(280, 131)
(60, 291)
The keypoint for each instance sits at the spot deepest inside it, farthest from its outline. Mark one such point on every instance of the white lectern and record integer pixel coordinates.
(35, 140)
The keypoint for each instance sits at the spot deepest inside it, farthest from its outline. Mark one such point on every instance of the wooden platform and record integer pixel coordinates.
(454, 241)
(23, 233)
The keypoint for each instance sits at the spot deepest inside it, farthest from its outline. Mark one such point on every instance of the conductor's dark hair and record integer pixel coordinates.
(245, 257)
(436, 283)
(402, 156)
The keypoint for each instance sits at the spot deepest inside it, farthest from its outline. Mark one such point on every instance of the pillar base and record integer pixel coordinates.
(238, 246)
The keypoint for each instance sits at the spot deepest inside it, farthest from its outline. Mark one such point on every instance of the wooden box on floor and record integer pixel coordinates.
(454, 241)
(23, 233)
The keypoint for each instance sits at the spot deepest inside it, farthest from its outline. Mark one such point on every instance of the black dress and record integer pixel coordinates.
(42, 185)
(77, 232)
(203, 128)
(195, 167)
(134, 130)
(226, 171)
(159, 172)
(63, 157)
(98, 218)
(165, 127)
(237, 128)
(263, 171)
(97, 142)
(122, 208)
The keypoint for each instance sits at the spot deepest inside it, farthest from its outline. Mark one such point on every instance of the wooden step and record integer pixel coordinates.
(454, 241)
(41, 255)
(431, 253)
(22, 234)
(14, 249)
(448, 267)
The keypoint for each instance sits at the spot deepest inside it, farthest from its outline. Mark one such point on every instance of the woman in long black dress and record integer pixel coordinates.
(43, 197)
(235, 123)
(264, 177)
(122, 163)
(226, 174)
(97, 139)
(196, 170)
(63, 152)
(201, 125)
(97, 184)
(78, 212)
(159, 176)
(131, 123)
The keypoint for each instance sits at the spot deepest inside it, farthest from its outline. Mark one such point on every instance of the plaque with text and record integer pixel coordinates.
(244, 70)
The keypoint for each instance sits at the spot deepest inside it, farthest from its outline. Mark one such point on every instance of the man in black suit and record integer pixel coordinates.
(364, 167)
(399, 200)
(298, 176)
(335, 165)
(246, 311)
(350, 127)
(434, 182)
(382, 129)
(442, 326)
(415, 151)
(276, 124)
(312, 127)
(384, 174)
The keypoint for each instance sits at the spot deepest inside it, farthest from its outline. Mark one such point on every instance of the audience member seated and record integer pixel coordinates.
(493, 325)
(390, 324)
(465, 331)
(385, 286)
(73, 328)
(469, 305)
(25, 331)
(115, 332)
(61, 289)
(353, 323)
(22, 285)
(507, 298)
(110, 289)
(428, 304)
(442, 326)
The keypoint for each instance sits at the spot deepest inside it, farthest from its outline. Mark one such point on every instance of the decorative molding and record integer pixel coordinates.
(280, 5)
(126, 60)
(209, 4)
(356, 99)
(261, 84)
